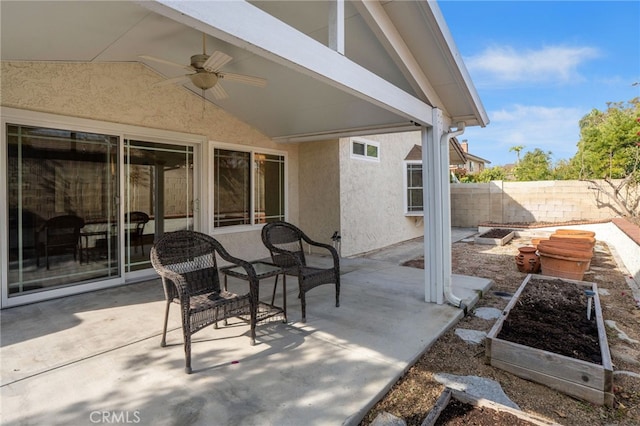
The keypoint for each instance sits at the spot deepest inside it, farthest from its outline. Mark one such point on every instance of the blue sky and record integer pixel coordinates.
(540, 66)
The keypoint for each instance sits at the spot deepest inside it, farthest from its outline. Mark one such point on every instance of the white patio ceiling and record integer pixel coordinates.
(399, 58)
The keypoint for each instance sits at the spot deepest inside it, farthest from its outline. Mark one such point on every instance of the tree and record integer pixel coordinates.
(486, 175)
(607, 147)
(535, 165)
(517, 149)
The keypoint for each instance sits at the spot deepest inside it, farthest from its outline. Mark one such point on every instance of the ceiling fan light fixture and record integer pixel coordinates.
(204, 80)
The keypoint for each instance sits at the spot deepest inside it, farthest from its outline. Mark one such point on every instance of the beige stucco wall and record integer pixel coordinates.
(542, 201)
(372, 195)
(124, 93)
(319, 181)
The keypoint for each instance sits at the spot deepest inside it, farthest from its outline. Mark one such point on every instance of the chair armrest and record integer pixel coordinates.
(248, 267)
(331, 249)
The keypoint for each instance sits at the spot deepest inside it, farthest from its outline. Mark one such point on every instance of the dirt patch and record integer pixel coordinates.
(552, 316)
(496, 233)
(461, 414)
(415, 394)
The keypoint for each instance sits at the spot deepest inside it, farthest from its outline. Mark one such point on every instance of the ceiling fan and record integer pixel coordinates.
(206, 72)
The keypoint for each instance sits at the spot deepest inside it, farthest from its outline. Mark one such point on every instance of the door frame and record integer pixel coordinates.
(122, 131)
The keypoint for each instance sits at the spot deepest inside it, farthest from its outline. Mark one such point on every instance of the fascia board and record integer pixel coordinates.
(431, 11)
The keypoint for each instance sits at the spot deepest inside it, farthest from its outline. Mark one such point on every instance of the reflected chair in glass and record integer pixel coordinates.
(136, 222)
(187, 263)
(284, 242)
(59, 234)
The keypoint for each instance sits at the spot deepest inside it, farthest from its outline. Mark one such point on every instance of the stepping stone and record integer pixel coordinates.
(488, 313)
(621, 334)
(478, 387)
(474, 337)
(626, 354)
(387, 419)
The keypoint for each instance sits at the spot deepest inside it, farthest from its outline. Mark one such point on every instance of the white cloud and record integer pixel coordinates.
(550, 129)
(549, 64)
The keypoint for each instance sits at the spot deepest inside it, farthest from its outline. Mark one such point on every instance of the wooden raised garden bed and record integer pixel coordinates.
(549, 312)
(458, 408)
(496, 237)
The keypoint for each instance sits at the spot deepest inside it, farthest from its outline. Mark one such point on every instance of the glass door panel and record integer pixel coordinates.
(159, 196)
(61, 201)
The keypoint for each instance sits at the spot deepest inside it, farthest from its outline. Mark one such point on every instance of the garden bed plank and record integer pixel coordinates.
(582, 379)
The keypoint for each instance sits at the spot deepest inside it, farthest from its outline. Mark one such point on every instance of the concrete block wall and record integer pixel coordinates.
(542, 201)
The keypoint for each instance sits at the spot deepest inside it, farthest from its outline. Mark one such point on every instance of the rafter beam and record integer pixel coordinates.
(246, 26)
(379, 22)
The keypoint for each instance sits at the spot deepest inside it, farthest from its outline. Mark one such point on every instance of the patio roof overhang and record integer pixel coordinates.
(397, 64)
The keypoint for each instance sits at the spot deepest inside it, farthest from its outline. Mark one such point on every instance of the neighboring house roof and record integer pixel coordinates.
(456, 155)
(475, 158)
(316, 90)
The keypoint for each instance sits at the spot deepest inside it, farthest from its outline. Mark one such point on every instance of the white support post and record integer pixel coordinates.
(336, 26)
(436, 249)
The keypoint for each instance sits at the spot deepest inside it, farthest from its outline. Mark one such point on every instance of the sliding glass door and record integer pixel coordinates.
(159, 196)
(62, 208)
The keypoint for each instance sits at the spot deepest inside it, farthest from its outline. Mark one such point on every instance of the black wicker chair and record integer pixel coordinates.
(186, 262)
(284, 242)
(136, 222)
(59, 234)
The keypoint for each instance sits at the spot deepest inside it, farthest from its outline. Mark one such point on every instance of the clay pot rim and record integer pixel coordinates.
(527, 249)
(564, 257)
(575, 232)
(590, 240)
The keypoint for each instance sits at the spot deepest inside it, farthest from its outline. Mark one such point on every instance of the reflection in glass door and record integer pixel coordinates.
(61, 201)
(159, 196)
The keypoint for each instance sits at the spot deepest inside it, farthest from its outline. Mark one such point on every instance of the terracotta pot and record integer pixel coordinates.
(568, 244)
(570, 237)
(573, 250)
(563, 266)
(575, 232)
(536, 241)
(528, 261)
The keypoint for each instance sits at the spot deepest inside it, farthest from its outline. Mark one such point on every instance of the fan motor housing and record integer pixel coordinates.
(197, 61)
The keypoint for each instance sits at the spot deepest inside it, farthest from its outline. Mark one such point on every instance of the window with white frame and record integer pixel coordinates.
(414, 194)
(249, 187)
(365, 149)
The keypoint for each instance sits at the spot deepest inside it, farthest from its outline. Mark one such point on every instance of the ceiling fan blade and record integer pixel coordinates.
(219, 92)
(164, 61)
(174, 80)
(241, 78)
(216, 61)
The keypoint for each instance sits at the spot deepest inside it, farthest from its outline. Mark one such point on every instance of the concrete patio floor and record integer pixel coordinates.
(95, 358)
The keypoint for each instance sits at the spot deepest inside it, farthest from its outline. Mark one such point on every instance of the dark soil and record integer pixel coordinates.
(496, 233)
(458, 413)
(551, 315)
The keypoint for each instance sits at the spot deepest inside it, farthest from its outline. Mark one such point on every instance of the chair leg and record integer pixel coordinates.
(163, 343)
(338, 293)
(186, 329)
(275, 286)
(303, 303)
(187, 353)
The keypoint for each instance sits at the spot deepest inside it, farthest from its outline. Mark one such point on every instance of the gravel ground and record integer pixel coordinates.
(416, 392)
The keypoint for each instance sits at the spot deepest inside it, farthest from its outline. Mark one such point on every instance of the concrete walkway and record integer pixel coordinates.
(95, 358)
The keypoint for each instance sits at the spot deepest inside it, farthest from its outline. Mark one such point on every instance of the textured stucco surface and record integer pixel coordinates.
(319, 181)
(372, 196)
(124, 93)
